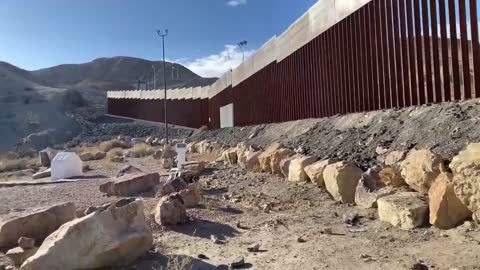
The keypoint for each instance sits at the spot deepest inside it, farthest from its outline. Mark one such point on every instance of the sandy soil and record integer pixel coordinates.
(233, 211)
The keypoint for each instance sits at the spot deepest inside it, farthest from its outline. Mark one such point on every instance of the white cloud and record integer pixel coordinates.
(235, 3)
(216, 65)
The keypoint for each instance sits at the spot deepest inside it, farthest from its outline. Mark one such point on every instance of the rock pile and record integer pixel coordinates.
(404, 187)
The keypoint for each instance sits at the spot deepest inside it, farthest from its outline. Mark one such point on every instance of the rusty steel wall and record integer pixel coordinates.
(185, 112)
(384, 55)
(387, 54)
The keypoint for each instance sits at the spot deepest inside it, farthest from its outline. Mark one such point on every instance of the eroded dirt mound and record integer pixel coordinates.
(444, 128)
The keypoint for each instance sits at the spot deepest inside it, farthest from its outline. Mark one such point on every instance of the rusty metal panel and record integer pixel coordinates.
(428, 52)
(445, 50)
(411, 52)
(398, 54)
(467, 93)
(391, 54)
(454, 51)
(437, 82)
(419, 51)
(475, 47)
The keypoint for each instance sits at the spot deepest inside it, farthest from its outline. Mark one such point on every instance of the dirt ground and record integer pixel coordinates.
(233, 211)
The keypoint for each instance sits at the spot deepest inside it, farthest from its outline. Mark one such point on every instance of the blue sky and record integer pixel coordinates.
(42, 33)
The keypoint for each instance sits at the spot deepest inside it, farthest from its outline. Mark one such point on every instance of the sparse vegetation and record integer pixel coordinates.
(114, 153)
(7, 164)
(140, 150)
(109, 145)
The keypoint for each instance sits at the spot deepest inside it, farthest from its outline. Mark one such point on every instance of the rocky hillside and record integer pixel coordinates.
(118, 73)
(45, 102)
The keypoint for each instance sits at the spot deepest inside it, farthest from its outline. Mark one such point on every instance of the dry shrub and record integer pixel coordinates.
(8, 164)
(109, 145)
(113, 153)
(141, 150)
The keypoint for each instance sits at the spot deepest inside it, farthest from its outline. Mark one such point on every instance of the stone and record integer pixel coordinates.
(157, 154)
(389, 176)
(238, 262)
(5, 262)
(341, 180)
(191, 196)
(242, 152)
(285, 165)
(251, 161)
(405, 209)
(197, 166)
(137, 141)
(296, 170)
(130, 184)
(189, 176)
(229, 156)
(149, 140)
(26, 243)
(36, 223)
(19, 255)
(215, 240)
(370, 189)
(89, 210)
(42, 174)
(466, 174)
(420, 169)
(113, 237)
(300, 150)
(96, 155)
(192, 148)
(314, 171)
(264, 159)
(394, 158)
(446, 210)
(253, 248)
(170, 210)
(173, 185)
(166, 163)
(277, 157)
(128, 169)
(156, 141)
(44, 158)
(368, 199)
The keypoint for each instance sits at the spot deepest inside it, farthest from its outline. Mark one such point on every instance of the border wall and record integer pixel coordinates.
(345, 56)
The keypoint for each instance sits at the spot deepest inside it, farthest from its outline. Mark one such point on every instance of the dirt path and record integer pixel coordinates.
(233, 211)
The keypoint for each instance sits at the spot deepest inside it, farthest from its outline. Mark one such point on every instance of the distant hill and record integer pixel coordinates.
(119, 73)
(35, 101)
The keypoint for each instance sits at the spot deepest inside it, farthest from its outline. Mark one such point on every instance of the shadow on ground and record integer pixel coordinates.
(155, 261)
(205, 228)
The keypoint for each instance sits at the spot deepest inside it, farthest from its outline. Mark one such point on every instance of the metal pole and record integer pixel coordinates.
(165, 87)
(154, 78)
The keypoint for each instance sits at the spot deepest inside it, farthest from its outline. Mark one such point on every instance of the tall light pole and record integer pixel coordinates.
(163, 35)
(154, 78)
(242, 45)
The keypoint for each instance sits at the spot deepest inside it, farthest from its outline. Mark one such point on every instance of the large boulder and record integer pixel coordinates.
(466, 178)
(264, 159)
(35, 223)
(110, 237)
(370, 189)
(394, 158)
(242, 152)
(277, 157)
(446, 210)
(315, 170)
(173, 184)
(420, 169)
(296, 170)
(42, 174)
(191, 196)
(251, 162)
(390, 176)
(170, 210)
(229, 156)
(285, 165)
(130, 184)
(128, 169)
(405, 209)
(192, 147)
(341, 180)
(197, 166)
(19, 255)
